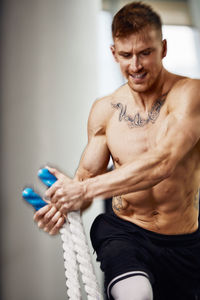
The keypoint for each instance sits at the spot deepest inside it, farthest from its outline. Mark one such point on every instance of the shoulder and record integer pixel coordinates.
(187, 86)
(184, 110)
(102, 109)
(106, 102)
(185, 95)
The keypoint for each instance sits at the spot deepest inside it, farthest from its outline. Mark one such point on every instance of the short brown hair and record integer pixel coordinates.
(133, 17)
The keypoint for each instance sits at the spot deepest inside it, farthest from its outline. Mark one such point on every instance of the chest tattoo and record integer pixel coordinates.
(136, 120)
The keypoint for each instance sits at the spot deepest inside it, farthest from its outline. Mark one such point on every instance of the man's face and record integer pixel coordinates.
(140, 57)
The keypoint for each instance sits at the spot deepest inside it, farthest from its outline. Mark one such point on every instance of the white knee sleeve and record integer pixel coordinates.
(136, 287)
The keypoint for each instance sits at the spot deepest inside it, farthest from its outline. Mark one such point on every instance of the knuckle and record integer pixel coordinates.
(40, 224)
(38, 214)
(58, 206)
(58, 184)
(59, 192)
(66, 206)
(47, 193)
(63, 201)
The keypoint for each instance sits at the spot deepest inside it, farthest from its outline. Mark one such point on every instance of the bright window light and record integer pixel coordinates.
(183, 48)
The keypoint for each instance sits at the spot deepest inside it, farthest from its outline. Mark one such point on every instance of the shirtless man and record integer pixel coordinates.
(149, 248)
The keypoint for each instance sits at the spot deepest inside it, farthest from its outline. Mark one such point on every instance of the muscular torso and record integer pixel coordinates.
(170, 207)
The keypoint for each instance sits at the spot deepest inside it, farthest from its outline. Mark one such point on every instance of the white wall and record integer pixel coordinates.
(109, 74)
(48, 83)
(183, 44)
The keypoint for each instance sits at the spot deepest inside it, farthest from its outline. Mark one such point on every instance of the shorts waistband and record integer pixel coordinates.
(176, 239)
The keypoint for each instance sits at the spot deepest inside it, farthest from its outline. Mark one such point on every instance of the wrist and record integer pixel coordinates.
(92, 188)
(83, 190)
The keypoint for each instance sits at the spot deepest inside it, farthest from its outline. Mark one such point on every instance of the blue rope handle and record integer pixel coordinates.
(34, 199)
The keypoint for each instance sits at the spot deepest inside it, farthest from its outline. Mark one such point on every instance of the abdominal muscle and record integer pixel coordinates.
(171, 214)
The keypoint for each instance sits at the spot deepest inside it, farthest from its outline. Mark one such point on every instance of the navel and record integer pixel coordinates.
(155, 213)
(116, 159)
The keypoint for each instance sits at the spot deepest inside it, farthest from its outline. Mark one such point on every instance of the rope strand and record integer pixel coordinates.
(70, 264)
(77, 256)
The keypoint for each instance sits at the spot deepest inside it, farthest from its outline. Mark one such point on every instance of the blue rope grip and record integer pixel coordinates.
(46, 177)
(34, 199)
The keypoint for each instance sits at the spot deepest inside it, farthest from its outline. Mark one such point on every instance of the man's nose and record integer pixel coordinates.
(135, 64)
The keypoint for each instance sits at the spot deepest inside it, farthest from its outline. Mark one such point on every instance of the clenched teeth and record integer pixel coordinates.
(138, 75)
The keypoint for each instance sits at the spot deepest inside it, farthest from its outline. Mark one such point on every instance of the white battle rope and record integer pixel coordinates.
(77, 258)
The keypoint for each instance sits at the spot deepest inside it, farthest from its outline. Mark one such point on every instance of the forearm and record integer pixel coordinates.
(73, 194)
(138, 175)
(81, 175)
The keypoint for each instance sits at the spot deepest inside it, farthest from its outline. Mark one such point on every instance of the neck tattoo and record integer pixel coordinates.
(137, 120)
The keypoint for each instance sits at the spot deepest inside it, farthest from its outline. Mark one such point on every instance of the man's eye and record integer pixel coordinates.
(145, 53)
(126, 55)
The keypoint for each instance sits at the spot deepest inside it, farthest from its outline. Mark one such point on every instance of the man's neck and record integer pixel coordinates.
(145, 100)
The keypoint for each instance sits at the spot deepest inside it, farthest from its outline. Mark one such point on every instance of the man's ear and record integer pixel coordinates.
(164, 48)
(112, 48)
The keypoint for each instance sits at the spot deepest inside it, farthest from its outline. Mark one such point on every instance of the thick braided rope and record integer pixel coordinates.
(70, 264)
(82, 257)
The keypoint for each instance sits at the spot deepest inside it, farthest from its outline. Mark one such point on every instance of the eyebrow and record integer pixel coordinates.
(127, 52)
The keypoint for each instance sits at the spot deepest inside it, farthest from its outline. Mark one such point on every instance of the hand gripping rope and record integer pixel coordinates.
(75, 248)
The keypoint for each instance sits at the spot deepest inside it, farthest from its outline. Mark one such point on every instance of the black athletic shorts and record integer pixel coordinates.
(171, 262)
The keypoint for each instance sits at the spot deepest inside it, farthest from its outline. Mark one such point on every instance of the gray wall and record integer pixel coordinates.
(195, 12)
(48, 83)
